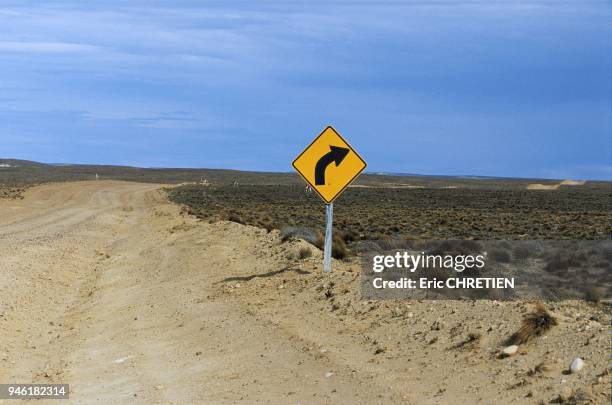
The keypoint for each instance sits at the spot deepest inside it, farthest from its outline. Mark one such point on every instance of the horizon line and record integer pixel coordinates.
(374, 173)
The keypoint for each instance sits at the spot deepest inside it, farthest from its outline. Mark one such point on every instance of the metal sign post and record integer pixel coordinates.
(329, 215)
(328, 165)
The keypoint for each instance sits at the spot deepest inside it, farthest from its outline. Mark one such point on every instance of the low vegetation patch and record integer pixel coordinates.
(534, 325)
(304, 253)
(362, 214)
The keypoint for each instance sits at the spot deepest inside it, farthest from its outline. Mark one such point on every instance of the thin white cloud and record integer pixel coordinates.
(45, 47)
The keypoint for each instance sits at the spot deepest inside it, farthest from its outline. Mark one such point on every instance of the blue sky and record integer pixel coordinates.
(499, 88)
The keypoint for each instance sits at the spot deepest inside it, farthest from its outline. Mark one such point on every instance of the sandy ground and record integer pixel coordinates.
(112, 289)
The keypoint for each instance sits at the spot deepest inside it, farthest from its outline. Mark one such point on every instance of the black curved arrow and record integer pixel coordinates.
(336, 154)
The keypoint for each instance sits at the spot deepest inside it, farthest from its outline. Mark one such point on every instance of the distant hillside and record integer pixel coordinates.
(24, 172)
(7, 163)
(21, 172)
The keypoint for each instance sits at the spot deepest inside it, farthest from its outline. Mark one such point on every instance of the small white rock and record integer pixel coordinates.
(328, 374)
(121, 359)
(576, 365)
(510, 350)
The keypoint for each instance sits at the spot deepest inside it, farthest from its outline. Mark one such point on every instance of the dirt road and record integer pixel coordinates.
(107, 287)
(110, 288)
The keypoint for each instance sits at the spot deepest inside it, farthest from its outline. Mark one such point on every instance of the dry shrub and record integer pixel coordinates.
(575, 397)
(472, 341)
(562, 261)
(304, 252)
(299, 232)
(607, 253)
(320, 241)
(339, 249)
(540, 368)
(235, 218)
(521, 252)
(266, 225)
(595, 294)
(535, 324)
(456, 247)
(349, 236)
(388, 243)
(500, 256)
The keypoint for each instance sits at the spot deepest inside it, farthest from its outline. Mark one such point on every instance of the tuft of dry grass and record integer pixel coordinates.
(233, 217)
(339, 249)
(595, 294)
(539, 368)
(304, 253)
(500, 255)
(299, 232)
(349, 236)
(472, 341)
(534, 325)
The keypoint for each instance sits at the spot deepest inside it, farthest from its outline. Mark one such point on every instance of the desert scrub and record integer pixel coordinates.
(339, 248)
(299, 232)
(500, 255)
(536, 324)
(435, 214)
(304, 252)
(233, 217)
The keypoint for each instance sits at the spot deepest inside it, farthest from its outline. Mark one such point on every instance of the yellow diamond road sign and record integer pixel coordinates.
(329, 164)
